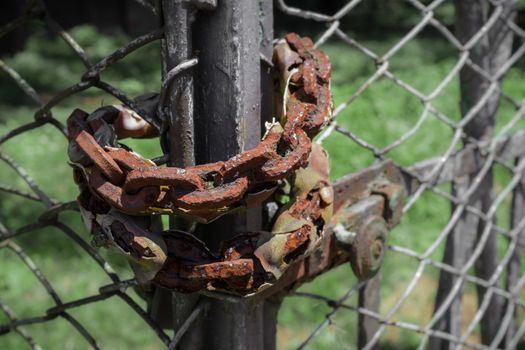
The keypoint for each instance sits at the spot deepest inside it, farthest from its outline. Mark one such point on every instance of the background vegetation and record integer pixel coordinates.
(379, 116)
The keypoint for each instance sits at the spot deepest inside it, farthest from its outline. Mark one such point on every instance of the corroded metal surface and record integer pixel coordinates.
(221, 186)
(245, 264)
(116, 180)
(285, 164)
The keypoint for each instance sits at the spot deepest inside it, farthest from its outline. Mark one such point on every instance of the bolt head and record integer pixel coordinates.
(368, 249)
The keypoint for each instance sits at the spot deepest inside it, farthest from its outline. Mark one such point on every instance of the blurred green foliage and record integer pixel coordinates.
(49, 65)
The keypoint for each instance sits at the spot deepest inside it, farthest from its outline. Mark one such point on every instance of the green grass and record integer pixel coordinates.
(379, 116)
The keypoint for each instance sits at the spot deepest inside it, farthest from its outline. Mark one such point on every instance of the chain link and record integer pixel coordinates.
(115, 178)
(414, 261)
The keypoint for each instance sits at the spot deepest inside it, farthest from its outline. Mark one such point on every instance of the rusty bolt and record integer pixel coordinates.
(368, 248)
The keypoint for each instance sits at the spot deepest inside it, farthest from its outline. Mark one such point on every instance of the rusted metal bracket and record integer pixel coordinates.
(367, 205)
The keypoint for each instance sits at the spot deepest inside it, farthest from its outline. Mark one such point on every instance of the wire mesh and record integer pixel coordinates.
(49, 218)
(469, 250)
(453, 274)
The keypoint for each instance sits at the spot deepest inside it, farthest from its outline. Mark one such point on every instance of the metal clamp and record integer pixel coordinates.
(373, 206)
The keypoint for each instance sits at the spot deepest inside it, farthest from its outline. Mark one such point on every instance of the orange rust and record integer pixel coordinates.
(203, 170)
(78, 133)
(321, 115)
(217, 197)
(205, 191)
(297, 112)
(99, 157)
(322, 64)
(265, 151)
(128, 160)
(156, 176)
(283, 167)
(117, 198)
(169, 278)
(223, 270)
(308, 77)
(299, 44)
(294, 242)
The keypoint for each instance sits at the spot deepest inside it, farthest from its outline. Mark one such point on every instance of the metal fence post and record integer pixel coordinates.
(513, 269)
(175, 49)
(369, 299)
(489, 53)
(224, 120)
(167, 308)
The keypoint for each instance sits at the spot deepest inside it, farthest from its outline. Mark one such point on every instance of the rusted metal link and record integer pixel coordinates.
(212, 186)
(245, 264)
(217, 197)
(155, 176)
(245, 161)
(357, 231)
(282, 167)
(102, 161)
(78, 133)
(135, 203)
(112, 178)
(305, 241)
(129, 161)
(366, 206)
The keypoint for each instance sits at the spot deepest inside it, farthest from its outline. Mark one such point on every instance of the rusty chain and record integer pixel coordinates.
(427, 178)
(117, 185)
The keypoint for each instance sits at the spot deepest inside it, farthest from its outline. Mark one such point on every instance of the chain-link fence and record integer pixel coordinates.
(438, 92)
(48, 219)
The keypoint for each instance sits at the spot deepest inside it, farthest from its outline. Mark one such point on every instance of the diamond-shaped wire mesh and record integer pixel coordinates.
(115, 284)
(452, 276)
(454, 280)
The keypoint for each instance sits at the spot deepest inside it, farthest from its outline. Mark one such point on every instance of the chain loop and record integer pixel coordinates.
(113, 177)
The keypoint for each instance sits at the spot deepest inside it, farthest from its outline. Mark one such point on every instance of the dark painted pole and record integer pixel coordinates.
(228, 121)
(167, 308)
(513, 268)
(176, 47)
(224, 120)
(370, 299)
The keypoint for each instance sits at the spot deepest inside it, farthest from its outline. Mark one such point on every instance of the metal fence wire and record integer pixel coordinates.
(453, 281)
